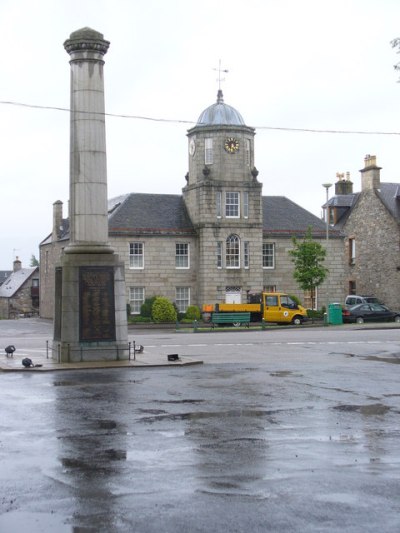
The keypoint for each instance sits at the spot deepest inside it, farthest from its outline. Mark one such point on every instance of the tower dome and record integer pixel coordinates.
(220, 114)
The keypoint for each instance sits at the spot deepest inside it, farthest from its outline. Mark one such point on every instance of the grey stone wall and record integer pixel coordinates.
(282, 275)
(376, 270)
(49, 256)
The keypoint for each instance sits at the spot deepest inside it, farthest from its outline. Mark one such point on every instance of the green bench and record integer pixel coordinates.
(230, 318)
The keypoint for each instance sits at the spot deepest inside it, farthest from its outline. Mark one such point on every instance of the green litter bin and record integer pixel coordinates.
(335, 314)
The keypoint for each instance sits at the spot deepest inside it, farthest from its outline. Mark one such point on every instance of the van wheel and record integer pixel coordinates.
(360, 320)
(297, 321)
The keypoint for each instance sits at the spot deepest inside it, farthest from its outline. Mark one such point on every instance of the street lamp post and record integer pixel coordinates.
(327, 187)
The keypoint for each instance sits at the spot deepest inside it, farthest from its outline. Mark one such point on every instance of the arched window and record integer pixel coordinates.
(233, 252)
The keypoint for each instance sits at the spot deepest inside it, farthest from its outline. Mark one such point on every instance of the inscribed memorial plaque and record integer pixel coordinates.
(96, 304)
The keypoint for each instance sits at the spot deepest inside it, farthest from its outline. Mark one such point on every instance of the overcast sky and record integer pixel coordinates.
(293, 65)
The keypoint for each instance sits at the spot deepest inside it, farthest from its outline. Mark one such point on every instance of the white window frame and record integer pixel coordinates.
(352, 251)
(232, 252)
(182, 298)
(136, 255)
(269, 288)
(245, 204)
(208, 151)
(265, 255)
(136, 299)
(182, 260)
(232, 204)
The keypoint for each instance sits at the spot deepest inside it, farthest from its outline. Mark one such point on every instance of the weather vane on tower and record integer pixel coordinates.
(220, 70)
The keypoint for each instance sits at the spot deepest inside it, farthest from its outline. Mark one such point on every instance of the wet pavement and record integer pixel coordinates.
(294, 433)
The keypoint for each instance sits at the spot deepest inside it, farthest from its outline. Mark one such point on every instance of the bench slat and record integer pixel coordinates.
(229, 318)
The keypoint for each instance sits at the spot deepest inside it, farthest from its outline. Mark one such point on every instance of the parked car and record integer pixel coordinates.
(369, 312)
(354, 299)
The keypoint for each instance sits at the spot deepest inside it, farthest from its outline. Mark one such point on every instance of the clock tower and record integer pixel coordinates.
(223, 198)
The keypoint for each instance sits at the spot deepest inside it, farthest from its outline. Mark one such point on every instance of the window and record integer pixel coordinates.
(310, 299)
(271, 301)
(182, 298)
(218, 201)
(232, 204)
(233, 252)
(246, 254)
(136, 257)
(136, 299)
(352, 287)
(287, 302)
(247, 152)
(219, 254)
(246, 205)
(182, 255)
(352, 251)
(268, 255)
(269, 288)
(208, 152)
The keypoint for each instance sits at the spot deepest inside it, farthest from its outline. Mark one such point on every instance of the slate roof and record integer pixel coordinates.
(15, 281)
(389, 193)
(166, 214)
(4, 275)
(283, 217)
(149, 214)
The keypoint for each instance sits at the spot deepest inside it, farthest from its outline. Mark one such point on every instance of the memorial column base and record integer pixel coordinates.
(90, 321)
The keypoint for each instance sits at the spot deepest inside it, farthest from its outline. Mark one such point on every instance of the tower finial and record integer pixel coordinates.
(220, 70)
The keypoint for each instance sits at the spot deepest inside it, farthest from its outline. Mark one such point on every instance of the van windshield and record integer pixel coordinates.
(286, 301)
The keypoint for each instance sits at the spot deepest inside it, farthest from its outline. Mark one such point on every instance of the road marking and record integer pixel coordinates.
(301, 343)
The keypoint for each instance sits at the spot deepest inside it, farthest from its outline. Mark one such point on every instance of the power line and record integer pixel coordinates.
(178, 121)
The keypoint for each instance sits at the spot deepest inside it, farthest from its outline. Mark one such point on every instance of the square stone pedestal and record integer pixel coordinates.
(90, 321)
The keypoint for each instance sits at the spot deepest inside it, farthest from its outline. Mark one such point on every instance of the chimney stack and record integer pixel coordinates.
(343, 185)
(57, 219)
(370, 174)
(17, 265)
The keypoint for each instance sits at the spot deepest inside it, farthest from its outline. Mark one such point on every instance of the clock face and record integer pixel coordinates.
(192, 147)
(231, 145)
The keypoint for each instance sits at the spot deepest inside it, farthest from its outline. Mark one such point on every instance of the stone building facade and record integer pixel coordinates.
(370, 221)
(218, 241)
(19, 294)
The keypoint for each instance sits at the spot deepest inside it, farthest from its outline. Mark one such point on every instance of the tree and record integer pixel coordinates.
(308, 257)
(396, 44)
(34, 261)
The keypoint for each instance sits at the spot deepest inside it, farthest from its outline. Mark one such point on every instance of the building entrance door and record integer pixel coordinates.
(233, 295)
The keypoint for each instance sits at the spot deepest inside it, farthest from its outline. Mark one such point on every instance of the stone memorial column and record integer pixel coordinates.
(90, 297)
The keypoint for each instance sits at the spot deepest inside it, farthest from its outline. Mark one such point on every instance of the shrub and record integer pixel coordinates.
(163, 310)
(146, 307)
(315, 313)
(295, 299)
(193, 313)
(137, 319)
